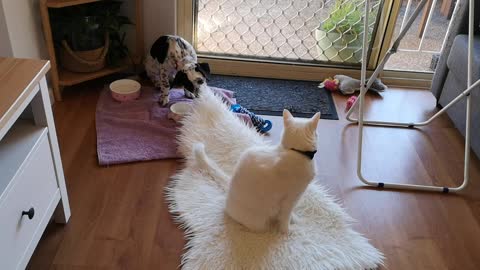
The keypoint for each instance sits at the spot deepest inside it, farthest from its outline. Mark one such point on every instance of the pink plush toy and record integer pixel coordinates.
(351, 100)
(330, 84)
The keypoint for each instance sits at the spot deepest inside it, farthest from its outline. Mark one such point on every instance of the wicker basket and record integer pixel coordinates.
(84, 61)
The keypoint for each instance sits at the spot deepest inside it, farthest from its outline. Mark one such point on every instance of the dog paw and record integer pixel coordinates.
(164, 101)
(189, 94)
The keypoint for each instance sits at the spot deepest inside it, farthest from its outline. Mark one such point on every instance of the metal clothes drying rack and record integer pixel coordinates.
(366, 84)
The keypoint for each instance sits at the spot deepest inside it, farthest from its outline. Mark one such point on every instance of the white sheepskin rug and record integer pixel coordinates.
(320, 238)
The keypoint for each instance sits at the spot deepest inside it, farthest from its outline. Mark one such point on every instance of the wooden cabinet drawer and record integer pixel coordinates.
(33, 186)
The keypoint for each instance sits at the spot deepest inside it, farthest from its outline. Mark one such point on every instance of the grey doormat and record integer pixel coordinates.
(271, 96)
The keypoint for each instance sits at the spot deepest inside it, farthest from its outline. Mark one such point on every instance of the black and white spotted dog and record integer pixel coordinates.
(173, 62)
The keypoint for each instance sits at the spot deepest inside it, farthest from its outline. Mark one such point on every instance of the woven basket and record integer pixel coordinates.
(84, 61)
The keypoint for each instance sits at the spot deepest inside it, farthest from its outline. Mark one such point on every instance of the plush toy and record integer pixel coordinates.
(351, 100)
(330, 84)
(348, 85)
(261, 124)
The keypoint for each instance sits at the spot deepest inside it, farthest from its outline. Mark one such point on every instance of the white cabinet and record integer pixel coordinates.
(32, 184)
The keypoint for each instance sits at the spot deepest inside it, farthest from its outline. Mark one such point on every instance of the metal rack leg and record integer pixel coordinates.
(365, 85)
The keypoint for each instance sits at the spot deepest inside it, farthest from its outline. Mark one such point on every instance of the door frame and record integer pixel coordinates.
(308, 71)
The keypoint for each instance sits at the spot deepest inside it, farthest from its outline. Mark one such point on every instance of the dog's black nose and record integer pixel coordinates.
(200, 81)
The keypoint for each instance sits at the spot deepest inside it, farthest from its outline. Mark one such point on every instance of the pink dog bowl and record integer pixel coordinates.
(125, 90)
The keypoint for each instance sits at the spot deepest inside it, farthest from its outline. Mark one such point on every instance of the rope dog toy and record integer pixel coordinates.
(261, 124)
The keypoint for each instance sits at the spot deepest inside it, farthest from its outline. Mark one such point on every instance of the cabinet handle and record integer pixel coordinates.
(30, 213)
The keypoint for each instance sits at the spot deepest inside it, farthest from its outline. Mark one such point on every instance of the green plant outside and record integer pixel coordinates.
(339, 36)
(347, 17)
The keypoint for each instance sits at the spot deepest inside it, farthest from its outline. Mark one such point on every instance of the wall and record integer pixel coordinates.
(159, 19)
(5, 46)
(24, 27)
(22, 19)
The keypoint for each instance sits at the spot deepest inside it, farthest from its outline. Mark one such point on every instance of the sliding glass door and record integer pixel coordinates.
(313, 39)
(301, 31)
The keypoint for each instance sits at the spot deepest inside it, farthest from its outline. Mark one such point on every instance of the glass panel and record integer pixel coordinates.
(328, 31)
(420, 48)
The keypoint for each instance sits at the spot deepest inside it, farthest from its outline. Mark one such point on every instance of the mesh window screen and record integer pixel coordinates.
(286, 30)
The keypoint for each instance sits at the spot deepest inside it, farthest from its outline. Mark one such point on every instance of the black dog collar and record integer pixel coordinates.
(309, 154)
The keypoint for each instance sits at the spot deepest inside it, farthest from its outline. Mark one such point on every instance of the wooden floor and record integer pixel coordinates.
(120, 219)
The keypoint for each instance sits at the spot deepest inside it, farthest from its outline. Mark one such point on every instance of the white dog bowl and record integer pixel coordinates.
(125, 90)
(180, 109)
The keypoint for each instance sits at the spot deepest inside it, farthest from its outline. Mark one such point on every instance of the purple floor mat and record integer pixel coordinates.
(139, 130)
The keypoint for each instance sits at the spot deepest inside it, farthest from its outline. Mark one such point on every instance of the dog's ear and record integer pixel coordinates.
(204, 68)
(180, 80)
(159, 49)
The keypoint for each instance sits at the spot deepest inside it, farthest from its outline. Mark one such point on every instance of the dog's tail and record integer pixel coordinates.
(205, 163)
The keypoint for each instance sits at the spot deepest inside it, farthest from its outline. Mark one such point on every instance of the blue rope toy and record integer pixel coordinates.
(261, 124)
